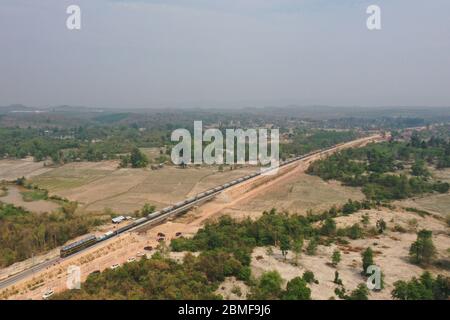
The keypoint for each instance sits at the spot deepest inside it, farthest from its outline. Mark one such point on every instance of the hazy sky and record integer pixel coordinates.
(152, 53)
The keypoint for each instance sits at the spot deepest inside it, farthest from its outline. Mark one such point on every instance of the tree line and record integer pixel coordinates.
(375, 167)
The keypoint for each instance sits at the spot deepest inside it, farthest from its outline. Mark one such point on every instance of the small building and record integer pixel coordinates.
(118, 219)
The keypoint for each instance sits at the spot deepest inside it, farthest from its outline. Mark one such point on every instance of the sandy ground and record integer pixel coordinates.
(391, 255)
(118, 250)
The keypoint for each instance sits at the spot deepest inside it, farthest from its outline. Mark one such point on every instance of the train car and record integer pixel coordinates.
(209, 191)
(153, 215)
(189, 200)
(178, 204)
(105, 236)
(166, 209)
(226, 185)
(218, 188)
(140, 221)
(200, 195)
(77, 246)
(125, 228)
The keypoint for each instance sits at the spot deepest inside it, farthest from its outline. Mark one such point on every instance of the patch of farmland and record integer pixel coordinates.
(13, 169)
(300, 195)
(97, 186)
(435, 203)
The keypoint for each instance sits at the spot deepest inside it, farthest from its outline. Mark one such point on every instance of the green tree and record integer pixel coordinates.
(308, 276)
(329, 227)
(355, 232)
(285, 245)
(367, 259)
(297, 247)
(360, 293)
(297, 289)
(312, 247)
(422, 251)
(424, 288)
(337, 280)
(138, 159)
(147, 209)
(336, 258)
(418, 169)
(268, 287)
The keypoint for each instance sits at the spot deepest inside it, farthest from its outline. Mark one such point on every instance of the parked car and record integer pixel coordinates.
(47, 294)
(114, 266)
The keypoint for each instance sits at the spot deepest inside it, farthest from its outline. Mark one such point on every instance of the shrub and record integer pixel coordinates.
(422, 251)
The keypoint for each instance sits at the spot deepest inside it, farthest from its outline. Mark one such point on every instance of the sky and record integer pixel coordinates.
(224, 53)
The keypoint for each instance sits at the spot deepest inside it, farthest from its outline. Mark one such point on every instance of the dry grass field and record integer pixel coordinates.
(297, 195)
(101, 185)
(13, 169)
(436, 203)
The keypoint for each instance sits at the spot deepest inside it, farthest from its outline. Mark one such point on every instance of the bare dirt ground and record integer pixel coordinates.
(13, 169)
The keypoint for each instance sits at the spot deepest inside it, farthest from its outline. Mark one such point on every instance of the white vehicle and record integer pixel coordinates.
(131, 259)
(114, 266)
(140, 254)
(47, 294)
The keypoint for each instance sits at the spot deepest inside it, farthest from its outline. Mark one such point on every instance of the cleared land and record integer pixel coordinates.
(97, 186)
(13, 169)
(437, 203)
(297, 195)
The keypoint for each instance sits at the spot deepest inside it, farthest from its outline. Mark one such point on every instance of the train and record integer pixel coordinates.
(91, 240)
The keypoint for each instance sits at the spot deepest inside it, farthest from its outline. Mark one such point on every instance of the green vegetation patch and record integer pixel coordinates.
(24, 233)
(375, 167)
(35, 195)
